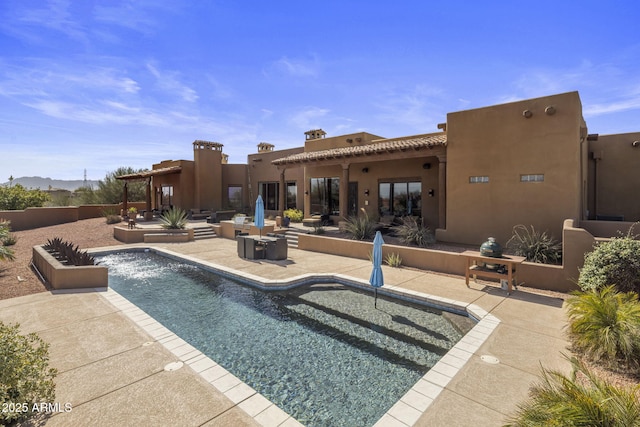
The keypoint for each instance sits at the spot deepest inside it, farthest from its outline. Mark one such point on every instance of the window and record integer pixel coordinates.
(400, 198)
(167, 196)
(292, 195)
(532, 178)
(478, 179)
(235, 197)
(325, 197)
(269, 193)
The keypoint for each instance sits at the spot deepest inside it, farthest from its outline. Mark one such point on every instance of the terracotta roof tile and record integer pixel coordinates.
(376, 147)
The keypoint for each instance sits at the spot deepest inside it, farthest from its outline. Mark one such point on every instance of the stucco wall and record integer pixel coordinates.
(614, 166)
(501, 143)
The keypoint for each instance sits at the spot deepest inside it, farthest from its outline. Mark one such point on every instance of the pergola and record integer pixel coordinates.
(146, 176)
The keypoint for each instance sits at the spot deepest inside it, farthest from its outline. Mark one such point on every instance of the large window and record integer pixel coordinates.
(292, 195)
(325, 196)
(167, 196)
(269, 193)
(400, 198)
(235, 197)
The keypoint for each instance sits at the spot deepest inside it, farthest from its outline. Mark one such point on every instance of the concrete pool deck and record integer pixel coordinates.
(112, 369)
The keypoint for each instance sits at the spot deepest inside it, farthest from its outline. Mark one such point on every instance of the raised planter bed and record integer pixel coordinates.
(137, 235)
(60, 276)
(166, 237)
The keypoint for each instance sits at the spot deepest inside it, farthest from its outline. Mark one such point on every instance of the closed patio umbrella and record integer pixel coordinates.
(376, 280)
(258, 218)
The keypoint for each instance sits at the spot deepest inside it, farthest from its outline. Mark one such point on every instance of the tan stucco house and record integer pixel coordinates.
(529, 162)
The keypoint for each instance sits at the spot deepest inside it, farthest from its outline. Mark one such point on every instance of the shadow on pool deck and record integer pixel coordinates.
(112, 371)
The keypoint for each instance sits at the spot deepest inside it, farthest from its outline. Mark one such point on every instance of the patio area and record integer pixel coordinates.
(112, 369)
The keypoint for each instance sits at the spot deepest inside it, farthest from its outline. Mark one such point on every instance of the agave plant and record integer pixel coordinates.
(174, 219)
(605, 325)
(566, 401)
(393, 260)
(66, 252)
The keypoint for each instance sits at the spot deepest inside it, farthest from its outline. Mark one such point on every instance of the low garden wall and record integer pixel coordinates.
(156, 235)
(60, 276)
(576, 242)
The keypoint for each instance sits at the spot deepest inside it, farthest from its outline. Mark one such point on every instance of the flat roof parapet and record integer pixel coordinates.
(207, 145)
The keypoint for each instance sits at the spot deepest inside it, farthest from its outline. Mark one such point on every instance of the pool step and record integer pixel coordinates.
(203, 232)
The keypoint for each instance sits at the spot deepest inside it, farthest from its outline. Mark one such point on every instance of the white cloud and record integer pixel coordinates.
(309, 118)
(296, 67)
(168, 81)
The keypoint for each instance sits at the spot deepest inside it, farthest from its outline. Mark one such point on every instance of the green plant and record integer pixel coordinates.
(393, 260)
(25, 376)
(615, 262)
(110, 188)
(16, 197)
(535, 246)
(360, 227)
(65, 252)
(296, 215)
(411, 232)
(605, 325)
(174, 218)
(5, 252)
(581, 399)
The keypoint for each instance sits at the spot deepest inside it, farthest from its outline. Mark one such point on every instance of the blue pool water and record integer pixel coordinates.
(322, 353)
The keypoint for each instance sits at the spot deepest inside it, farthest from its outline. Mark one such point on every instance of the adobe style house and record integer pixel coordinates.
(529, 162)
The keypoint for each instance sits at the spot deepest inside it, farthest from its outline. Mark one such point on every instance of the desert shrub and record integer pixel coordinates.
(535, 246)
(615, 262)
(25, 376)
(111, 215)
(581, 399)
(16, 197)
(296, 215)
(318, 230)
(5, 252)
(360, 227)
(393, 260)
(605, 325)
(411, 232)
(174, 219)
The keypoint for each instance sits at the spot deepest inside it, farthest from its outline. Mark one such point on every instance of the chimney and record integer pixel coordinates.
(264, 147)
(315, 134)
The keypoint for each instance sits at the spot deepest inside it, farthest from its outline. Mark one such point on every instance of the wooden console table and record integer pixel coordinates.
(510, 262)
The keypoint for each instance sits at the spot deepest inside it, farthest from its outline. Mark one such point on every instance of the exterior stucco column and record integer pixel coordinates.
(148, 215)
(344, 191)
(125, 199)
(282, 194)
(442, 192)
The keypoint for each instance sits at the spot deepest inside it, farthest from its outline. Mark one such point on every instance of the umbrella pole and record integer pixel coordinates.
(375, 300)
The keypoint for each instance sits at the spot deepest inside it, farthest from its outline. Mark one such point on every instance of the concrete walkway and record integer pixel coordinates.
(112, 369)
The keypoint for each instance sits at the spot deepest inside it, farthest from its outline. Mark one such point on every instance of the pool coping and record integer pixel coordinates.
(405, 412)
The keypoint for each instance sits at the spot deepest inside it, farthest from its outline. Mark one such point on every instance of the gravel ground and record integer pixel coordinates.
(17, 278)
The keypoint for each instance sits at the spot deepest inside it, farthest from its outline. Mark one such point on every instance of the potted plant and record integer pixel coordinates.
(133, 212)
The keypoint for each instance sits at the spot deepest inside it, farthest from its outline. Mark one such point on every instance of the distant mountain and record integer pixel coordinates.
(33, 182)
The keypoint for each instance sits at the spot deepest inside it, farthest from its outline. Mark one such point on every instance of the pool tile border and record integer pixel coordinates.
(405, 412)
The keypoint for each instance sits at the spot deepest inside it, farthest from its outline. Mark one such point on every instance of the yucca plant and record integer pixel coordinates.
(174, 219)
(393, 260)
(561, 400)
(411, 232)
(605, 325)
(360, 227)
(535, 246)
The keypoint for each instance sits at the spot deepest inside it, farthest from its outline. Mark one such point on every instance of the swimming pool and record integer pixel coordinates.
(322, 353)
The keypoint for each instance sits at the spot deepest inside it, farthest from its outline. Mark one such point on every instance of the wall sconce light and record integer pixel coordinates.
(306, 193)
(431, 192)
(426, 166)
(527, 114)
(366, 192)
(365, 170)
(550, 110)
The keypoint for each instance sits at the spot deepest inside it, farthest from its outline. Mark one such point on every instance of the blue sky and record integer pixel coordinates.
(96, 85)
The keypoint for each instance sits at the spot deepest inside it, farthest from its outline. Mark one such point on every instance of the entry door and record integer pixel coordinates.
(352, 199)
